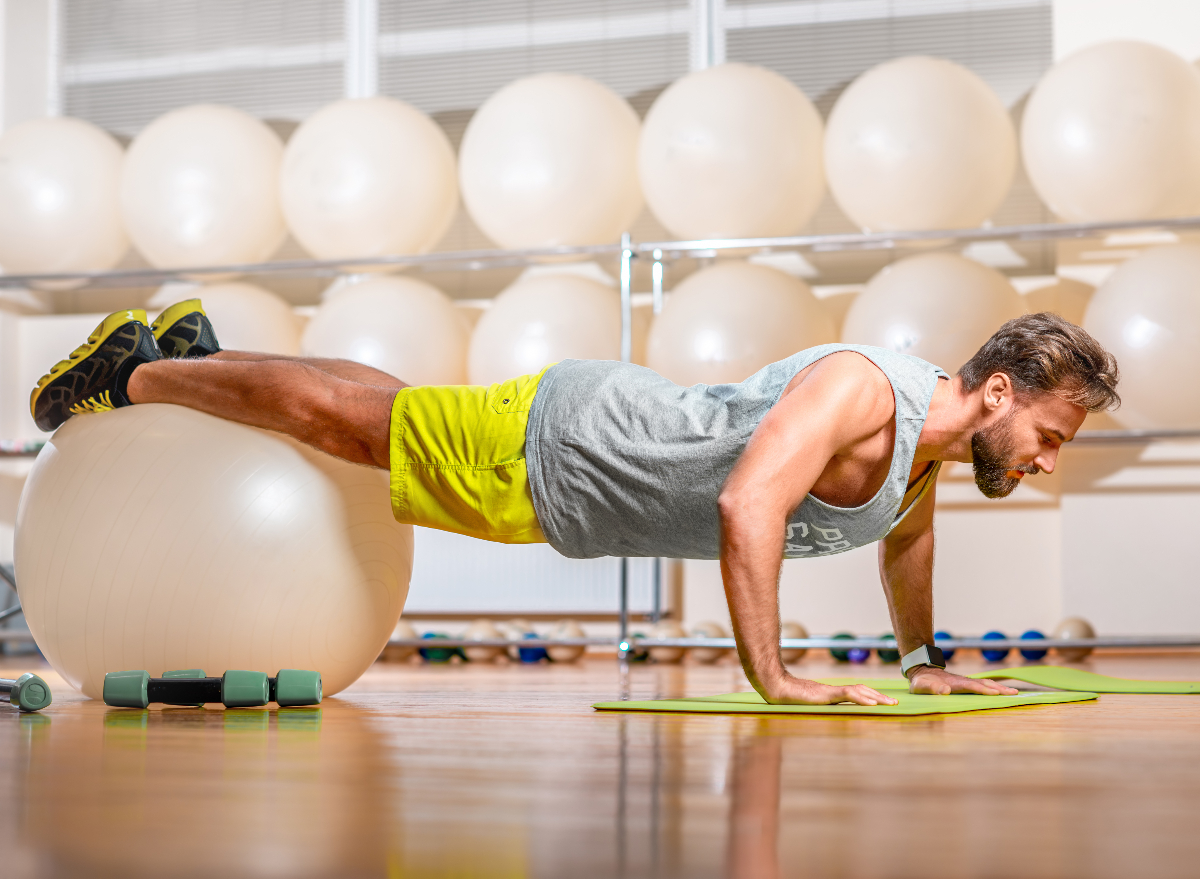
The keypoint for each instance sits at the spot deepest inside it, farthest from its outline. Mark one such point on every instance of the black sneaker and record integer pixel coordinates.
(183, 330)
(96, 375)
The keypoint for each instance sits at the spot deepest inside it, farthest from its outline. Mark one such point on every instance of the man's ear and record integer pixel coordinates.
(997, 392)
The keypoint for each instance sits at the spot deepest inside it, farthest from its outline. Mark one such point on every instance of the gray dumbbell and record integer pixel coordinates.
(28, 692)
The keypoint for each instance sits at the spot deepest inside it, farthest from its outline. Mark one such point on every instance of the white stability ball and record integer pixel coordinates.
(1113, 133)
(552, 160)
(404, 327)
(726, 322)
(200, 187)
(1065, 297)
(540, 320)
(919, 143)
(246, 317)
(1147, 314)
(156, 537)
(58, 198)
(368, 177)
(940, 307)
(733, 151)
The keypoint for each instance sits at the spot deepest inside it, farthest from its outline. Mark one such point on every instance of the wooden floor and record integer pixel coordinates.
(506, 772)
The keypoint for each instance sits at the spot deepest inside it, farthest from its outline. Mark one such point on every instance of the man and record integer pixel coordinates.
(832, 448)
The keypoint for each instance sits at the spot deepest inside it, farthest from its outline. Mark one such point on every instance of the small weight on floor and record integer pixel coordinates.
(234, 689)
(436, 654)
(886, 655)
(28, 692)
(998, 654)
(947, 652)
(841, 655)
(1033, 635)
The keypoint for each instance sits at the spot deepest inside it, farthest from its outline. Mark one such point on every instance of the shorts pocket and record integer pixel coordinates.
(514, 395)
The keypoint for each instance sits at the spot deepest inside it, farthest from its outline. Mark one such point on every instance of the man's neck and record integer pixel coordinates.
(949, 424)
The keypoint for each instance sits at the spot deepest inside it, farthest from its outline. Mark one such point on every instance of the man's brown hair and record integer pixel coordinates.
(1043, 353)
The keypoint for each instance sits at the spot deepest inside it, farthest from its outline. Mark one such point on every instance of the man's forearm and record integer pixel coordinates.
(906, 568)
(750, 572)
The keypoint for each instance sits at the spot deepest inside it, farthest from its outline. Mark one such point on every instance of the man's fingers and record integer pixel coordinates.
(989, 688)
(862, 695)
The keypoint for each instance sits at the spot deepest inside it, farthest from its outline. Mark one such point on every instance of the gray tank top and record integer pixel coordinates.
(623, 462)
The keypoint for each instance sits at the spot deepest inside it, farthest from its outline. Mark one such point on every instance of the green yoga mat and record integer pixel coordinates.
(1078, 680)
(909, 705)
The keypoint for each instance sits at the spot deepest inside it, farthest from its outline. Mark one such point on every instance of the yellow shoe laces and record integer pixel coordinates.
(100, 403)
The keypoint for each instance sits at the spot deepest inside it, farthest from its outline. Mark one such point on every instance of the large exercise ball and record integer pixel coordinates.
(1113, 133)
(919, 143)
(404, 327)
(200, 186)
(368, 177)
(1065, 297)
(940, 307)
(1147, 314)
(58, 198)
(726, 322)
(552, 160)
(542, 319)
(155, 537)
(244, 316)
(733, 151)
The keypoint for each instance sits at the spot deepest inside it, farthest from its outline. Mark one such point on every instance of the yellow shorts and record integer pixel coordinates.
(458, 459)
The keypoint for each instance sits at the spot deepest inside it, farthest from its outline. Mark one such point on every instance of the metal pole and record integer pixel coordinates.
(623, 646)
(656, 276)
(626, 357)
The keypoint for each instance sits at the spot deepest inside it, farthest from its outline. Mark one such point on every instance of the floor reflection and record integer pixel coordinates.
(753, 837)
(289, 792)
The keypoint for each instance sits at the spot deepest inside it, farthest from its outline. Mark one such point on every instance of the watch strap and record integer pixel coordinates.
(926, 654)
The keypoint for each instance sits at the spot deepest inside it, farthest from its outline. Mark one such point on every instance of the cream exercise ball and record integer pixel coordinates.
(368, 177)
(540, 320)
(404, 327)
(1066, 297)
(247, 318)
(792, 630)
(566, 630)
(200, 187)
(1147, 314)
(940, 307)
(1113, 133)
(733, 151)
(58, 198)
(726, 322)
(482, 630)
(919, 143)
(552, 160)
(156, 537)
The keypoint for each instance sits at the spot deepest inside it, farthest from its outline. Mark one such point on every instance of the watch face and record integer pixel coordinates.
(936, 657)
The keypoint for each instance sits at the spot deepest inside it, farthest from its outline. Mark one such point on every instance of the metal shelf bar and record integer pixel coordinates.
(471, 260)
(1126, 641)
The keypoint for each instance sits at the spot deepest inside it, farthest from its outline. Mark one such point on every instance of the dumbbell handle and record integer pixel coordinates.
(28, 692)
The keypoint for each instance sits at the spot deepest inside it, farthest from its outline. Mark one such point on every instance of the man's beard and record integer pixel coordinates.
(991, 458)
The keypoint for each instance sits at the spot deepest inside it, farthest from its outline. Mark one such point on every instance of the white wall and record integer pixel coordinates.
(1174, 24)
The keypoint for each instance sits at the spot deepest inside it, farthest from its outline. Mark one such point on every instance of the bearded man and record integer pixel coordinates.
(832, 448)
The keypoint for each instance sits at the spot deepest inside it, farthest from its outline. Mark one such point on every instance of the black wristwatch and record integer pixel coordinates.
(927, 654)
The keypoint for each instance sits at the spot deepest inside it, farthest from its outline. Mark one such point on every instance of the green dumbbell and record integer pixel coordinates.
(28, 692)
(234, 689)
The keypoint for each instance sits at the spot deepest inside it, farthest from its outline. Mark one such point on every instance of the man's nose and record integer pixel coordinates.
(1046, 460)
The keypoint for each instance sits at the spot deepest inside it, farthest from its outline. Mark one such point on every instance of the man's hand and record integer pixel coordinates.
(789, 690)
(939, 682)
